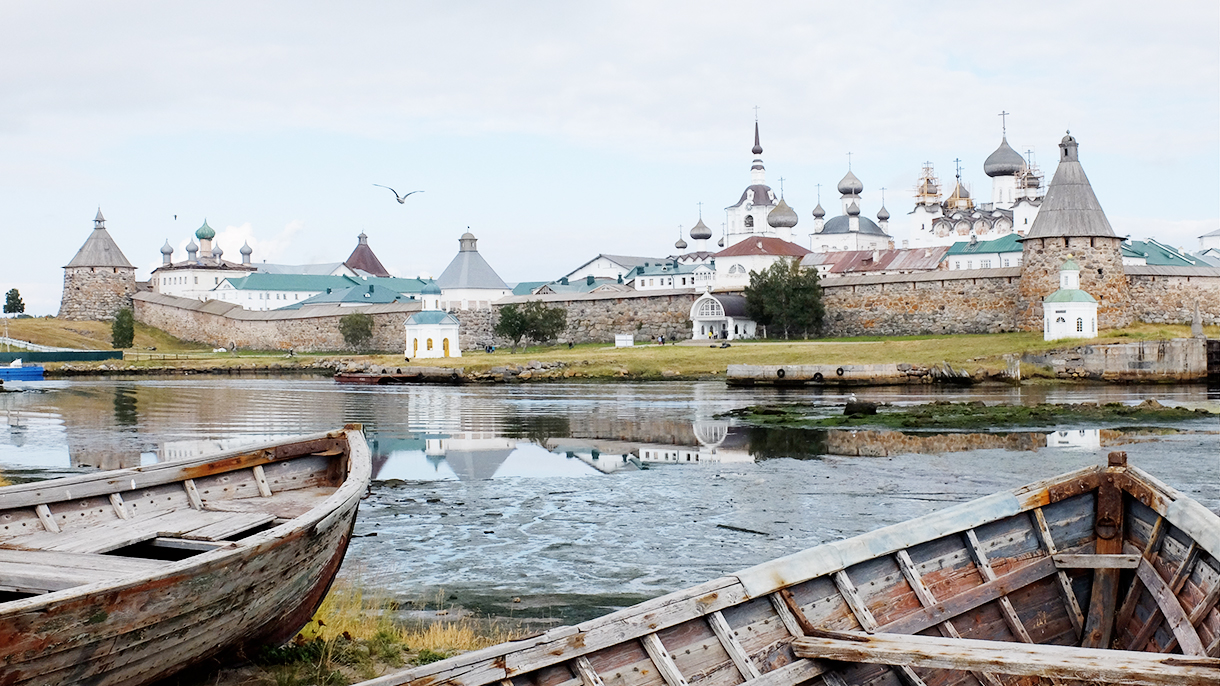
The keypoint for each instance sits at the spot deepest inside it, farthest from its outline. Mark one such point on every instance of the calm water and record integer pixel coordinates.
(576, 498)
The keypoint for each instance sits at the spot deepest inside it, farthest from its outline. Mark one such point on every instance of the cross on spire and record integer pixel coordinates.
(849, 161)
(781, 187)
(958, 162)
(756, 113)
(1004, 122)
(819, 192)
(700, 204)
(883, 196)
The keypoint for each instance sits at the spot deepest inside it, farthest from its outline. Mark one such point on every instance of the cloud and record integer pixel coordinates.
(272, 249)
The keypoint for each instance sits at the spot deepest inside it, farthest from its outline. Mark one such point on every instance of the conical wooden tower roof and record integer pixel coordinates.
(1070, 207)
(99, 249)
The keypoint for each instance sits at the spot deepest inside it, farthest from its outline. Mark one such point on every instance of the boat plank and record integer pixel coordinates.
(1075, 615)
(1172, 611)
(1065, 561)
(588, 675)
(699, 654)
(663, 661)
(137, 478)
(791, 674)
(1006, 608)
(260, 479)
(970, 599)
(1127, 610)
(724, 633)
(1067, 662)
(232, 523)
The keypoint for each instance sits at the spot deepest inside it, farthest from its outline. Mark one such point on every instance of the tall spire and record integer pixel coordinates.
(99, 222)
(757, 171)
(757, 149)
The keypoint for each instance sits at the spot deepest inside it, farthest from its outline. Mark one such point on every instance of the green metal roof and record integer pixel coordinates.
(527, 287)
(362, 294)
(1158, 254)
(1008, 243)
(1070, 295)
(205, 232)
(1070, 266)
(432, 317)
(258, 281)
(401, 285)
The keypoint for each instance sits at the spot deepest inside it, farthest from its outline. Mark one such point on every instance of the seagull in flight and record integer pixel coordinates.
(401, 198)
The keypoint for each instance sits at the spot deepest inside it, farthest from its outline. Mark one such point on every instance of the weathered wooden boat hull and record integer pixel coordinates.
(1031, 586)
(259, 588)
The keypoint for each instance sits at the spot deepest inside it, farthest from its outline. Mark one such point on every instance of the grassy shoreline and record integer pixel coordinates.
(156, 352)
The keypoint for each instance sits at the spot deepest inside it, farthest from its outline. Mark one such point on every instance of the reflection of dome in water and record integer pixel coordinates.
(710, 434)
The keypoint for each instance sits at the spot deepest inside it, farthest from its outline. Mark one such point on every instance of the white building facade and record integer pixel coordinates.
(432, 333)
(1069, 312)
(721, 316)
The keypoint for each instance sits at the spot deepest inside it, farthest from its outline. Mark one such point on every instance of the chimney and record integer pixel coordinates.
(589, 280)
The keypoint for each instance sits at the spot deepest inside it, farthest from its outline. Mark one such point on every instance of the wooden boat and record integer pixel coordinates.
(1103, 575)
(129, 575)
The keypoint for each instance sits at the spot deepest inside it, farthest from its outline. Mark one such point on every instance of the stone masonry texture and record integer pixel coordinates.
(96, 293)
(1101, 276)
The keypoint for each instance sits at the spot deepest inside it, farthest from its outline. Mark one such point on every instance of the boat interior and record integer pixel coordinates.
(63, 533)
(1103, 575)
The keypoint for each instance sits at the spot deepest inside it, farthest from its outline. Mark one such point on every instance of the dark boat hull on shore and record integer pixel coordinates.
(1104, 575)
(127, 576)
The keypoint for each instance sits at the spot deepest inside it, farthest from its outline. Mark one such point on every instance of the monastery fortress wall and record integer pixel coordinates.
(941, 302)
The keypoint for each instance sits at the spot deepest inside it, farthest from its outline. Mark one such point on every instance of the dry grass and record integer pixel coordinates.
(651, 361)
(90, 335)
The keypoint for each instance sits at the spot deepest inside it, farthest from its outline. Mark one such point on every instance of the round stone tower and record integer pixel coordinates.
(99, 281)
(1072, 225)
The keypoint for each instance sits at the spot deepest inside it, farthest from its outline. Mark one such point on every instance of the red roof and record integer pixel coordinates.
(868, 261)
(763, 246)
(362, 258)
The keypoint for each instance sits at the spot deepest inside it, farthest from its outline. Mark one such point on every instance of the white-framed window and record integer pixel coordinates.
(710, 308)
(985, 264)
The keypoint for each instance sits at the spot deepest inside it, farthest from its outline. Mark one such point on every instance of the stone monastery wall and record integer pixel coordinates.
(966, 301)
(1170, 299)
(220, 324)
(597, 317)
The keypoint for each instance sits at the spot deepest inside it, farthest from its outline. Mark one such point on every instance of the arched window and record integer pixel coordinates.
(710, 308)
(1080, 324)
(749, 221)
(430, 341)
(1058, 320)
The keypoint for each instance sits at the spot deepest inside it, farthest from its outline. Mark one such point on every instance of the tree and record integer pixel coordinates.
(123, 330)
(786, 297)
(13, 303)
(533, 321)
(357, 329)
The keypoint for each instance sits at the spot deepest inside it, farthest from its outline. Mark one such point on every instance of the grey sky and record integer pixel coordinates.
(559, 130)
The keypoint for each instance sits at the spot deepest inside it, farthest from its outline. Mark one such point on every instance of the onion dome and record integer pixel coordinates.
(853, 210)
(699, 231)
(850, 185)
(1070, 266)
(246, 249)
(191, 247)
(205, 232)
(431, 289)
(721, 243)
(757, 149)
(1067, 139)
(1004, 161)
(818, 212)
(883, 214)
(960, 191)
(217, 252)
(680, 244)
(167, 249)
(782, 216)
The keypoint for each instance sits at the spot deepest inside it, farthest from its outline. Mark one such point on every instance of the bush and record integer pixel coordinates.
(123, 330)
(357, 330)
(534, 321)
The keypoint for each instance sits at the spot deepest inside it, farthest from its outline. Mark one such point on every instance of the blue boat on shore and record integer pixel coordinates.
(32, 372)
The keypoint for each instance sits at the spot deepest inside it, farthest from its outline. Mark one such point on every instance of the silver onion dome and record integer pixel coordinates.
(246, 249)
(853, 210)
(883, 214)
(700, 232)
(167, 249)
(850, 185)
(1004, 161)
(782, 216)
(818, 212)
(680, 244)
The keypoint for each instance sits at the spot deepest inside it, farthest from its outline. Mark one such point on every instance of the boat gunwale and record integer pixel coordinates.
(1178, 509)
(359, 471)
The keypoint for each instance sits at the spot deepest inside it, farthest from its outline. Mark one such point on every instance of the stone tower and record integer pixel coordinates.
(99, 281)
(1072, 225)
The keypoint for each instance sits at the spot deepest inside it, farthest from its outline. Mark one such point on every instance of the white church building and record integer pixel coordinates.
(1069, 312)
(432, 332)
